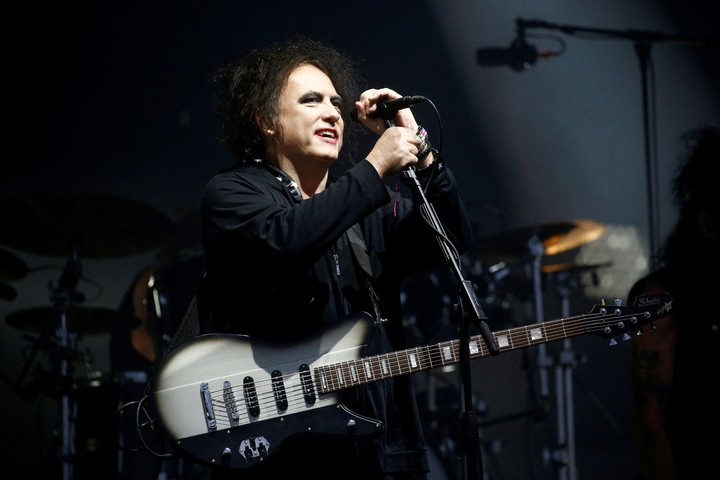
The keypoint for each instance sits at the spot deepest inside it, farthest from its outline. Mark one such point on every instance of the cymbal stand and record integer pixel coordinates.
(564, 455)
(563, 373)
(64, 296)
(537, 251)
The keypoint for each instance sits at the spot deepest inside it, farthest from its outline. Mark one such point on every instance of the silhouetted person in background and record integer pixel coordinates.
(676, 367)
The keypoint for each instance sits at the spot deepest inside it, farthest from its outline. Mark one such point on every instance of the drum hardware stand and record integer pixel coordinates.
(565, 459)
(64, 296)
(537, 251)
(565, 408)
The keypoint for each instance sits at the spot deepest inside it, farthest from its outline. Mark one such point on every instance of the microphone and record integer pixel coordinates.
(387, 109)
(519, 56)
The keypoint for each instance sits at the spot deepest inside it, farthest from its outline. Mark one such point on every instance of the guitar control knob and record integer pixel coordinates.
(350, 424)
(226, 452)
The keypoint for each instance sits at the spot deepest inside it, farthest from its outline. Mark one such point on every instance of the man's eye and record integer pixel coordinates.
(311, 99)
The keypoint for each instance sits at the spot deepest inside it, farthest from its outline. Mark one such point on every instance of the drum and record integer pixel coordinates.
(96, 397)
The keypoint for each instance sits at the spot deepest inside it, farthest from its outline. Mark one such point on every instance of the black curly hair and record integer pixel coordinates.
(250, 88)
(695, 189)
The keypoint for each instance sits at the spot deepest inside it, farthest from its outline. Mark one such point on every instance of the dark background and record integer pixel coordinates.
(115, 99)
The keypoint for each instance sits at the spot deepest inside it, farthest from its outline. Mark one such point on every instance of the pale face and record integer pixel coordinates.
(310, 118)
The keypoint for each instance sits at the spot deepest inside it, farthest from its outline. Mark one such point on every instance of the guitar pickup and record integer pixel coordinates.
(307, 384)
(251, 398)
(279, 393)
(230, 407)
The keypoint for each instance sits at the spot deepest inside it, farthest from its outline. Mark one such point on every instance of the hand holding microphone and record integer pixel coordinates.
(388, 108)
(397, 149)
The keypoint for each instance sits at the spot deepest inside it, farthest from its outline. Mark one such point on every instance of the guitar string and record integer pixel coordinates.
(424, 356)
(340, 375)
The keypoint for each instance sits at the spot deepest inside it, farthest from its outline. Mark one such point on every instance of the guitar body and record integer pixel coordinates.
(233, 401)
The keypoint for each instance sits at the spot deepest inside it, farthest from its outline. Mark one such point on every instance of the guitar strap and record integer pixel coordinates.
(189, 326)
(362, 258)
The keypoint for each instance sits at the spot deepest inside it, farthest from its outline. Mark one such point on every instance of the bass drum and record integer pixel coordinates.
(95, 398)
(171, 290)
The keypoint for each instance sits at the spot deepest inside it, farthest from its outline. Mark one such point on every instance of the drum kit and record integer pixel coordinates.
(77, 227)
(510, 268)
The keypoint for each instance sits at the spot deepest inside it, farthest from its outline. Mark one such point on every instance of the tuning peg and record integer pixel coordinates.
(626, 336)
(613, 342)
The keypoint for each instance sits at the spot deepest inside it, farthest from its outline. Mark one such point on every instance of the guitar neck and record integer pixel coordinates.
(334, 377)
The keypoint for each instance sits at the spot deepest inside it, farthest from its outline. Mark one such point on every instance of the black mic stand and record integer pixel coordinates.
(469, 309)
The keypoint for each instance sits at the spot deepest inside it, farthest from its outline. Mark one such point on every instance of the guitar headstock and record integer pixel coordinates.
(618, 319)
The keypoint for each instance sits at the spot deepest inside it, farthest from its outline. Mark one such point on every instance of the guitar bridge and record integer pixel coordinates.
(210, 420)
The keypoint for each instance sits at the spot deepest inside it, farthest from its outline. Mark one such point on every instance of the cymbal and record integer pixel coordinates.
(582, 233)
(555, 238)
(11, 267)
(84, 320)
(93, 226)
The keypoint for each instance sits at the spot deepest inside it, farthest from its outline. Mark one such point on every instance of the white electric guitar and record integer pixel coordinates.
(233, 401)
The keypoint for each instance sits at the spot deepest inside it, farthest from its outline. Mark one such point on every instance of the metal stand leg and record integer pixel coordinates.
(564, 455)
(64, 296)
(565, 405)
(68, 405)
(537, 250)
